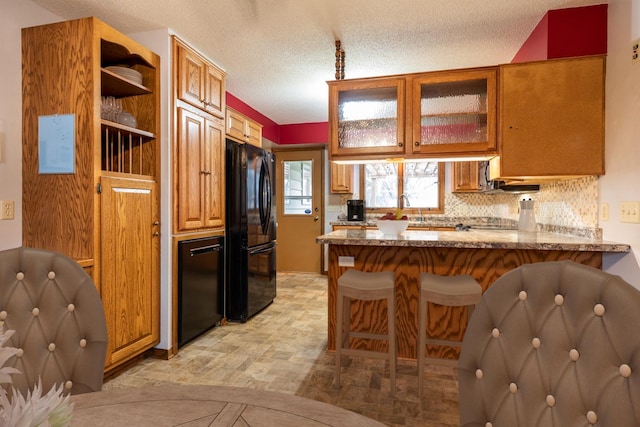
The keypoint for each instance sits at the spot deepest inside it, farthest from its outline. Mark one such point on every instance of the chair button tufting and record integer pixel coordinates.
(535, 342)
(71, 307)
(3, 315)
(20, 276)
(558, 299)
(51, 275)
(495, 332)
(592, 417)
(83, 343)
(68, 384)
(20, 352)
(51, 347)
(522, 295)
(574, 354)
(35, 312)
(551, 401)
(625, 370)
(513, 388)
(479, 374)
(599, 310)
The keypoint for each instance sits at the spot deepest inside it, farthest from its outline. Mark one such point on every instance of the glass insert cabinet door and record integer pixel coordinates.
(367, 116)
(298, 189)
(455, 112)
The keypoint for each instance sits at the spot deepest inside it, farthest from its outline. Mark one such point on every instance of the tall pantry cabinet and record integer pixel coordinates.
(91, 184)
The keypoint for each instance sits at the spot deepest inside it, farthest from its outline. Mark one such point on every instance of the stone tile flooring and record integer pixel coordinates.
(283, 349)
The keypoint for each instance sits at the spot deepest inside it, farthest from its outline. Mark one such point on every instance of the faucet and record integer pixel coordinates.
(405, 198)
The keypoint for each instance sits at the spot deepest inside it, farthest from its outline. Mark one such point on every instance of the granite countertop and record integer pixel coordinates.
(474, 238)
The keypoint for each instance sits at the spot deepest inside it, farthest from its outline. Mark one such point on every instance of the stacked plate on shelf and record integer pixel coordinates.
(127, 73)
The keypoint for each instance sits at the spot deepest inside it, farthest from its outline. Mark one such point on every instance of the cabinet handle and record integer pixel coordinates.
(205, 173)
(400, 144)
(156, 234)
(417, 143)
(156, 223)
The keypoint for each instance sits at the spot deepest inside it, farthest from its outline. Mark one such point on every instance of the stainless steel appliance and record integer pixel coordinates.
(355, 210)
(200, 286)
(495, 186)
(250, 230)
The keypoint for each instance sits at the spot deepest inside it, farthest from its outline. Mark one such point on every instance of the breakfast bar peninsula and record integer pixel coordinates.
(483, 254)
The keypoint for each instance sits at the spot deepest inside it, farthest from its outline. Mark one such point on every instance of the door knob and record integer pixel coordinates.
(316, 218)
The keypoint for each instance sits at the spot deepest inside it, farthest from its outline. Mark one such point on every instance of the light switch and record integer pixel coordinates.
(630, 212)
(635, 51)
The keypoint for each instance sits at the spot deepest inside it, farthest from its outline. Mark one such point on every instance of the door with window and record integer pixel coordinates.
(300, 207)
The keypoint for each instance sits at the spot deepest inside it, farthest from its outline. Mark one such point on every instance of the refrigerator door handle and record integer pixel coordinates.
(263, 250)
(265, 196)
(205, 250)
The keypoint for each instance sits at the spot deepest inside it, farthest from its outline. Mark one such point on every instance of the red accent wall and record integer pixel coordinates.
(304, 133)
(562, 33)
(270, 129)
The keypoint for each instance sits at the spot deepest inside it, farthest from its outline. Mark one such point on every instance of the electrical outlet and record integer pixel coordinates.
(346, 261)
(604, 211)
(630, 212)
(635, 51)
(7, 209)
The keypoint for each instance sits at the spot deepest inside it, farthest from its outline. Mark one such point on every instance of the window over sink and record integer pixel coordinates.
(420, 185)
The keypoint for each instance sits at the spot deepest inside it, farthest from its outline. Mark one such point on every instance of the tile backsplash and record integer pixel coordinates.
(569, 207)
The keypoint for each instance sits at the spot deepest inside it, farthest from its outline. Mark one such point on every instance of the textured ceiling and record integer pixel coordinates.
(278, 54)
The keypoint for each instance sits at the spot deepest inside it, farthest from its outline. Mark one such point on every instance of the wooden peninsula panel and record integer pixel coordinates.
(483, 254)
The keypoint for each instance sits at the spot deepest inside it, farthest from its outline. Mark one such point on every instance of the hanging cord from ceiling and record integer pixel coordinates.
(339, 61)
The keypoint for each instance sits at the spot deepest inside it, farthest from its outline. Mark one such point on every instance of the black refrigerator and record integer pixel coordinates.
(250, 230)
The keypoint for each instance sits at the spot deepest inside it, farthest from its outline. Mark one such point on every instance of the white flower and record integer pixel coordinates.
(52, 409)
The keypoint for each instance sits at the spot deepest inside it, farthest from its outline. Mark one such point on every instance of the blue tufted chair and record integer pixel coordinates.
(553, 344)
(56, 312)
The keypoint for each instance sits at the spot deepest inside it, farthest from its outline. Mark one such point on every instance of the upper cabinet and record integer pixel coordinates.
(96, 94)
(454, 113)
(466, 177)
(551, 119)
(199, 82)
(243, 129)
(437, 114)
(341, 178)
(367, 118)
(199, 143)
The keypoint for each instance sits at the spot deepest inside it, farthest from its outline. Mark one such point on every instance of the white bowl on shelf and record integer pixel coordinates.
(392, 226)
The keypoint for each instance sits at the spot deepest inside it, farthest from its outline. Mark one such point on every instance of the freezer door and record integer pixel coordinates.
(261, 277)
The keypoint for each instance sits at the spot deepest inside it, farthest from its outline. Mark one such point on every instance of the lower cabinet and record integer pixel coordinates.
(130, 247)
(199, 171)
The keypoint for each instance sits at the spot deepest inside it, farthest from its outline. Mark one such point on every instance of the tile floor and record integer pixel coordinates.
(284, 349)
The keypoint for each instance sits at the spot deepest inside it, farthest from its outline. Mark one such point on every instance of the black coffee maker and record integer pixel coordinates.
(355, 210)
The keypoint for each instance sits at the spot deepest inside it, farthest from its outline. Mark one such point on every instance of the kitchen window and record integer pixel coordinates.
(420, 184)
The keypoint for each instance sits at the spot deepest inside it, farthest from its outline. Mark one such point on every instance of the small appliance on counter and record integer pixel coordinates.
(355, 210)
(527, 220)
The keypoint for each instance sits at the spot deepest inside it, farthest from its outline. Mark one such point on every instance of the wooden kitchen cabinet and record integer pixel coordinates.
(367, 118)
(437, 114)
(199, 82)
(341, 178)
(454, 112)
(243, 129)
(465, 177)
(552, 119)
(103, 211)
(199, 171)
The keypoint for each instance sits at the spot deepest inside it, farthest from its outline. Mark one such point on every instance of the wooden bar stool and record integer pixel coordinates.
(455, 291)
(369, 286)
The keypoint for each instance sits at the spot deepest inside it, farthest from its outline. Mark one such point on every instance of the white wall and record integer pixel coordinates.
(622, 137)
(15, 15)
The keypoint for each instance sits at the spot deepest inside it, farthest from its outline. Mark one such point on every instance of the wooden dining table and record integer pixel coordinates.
(206, 405)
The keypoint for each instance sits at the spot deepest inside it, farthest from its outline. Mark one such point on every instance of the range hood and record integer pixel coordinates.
(497, 186)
